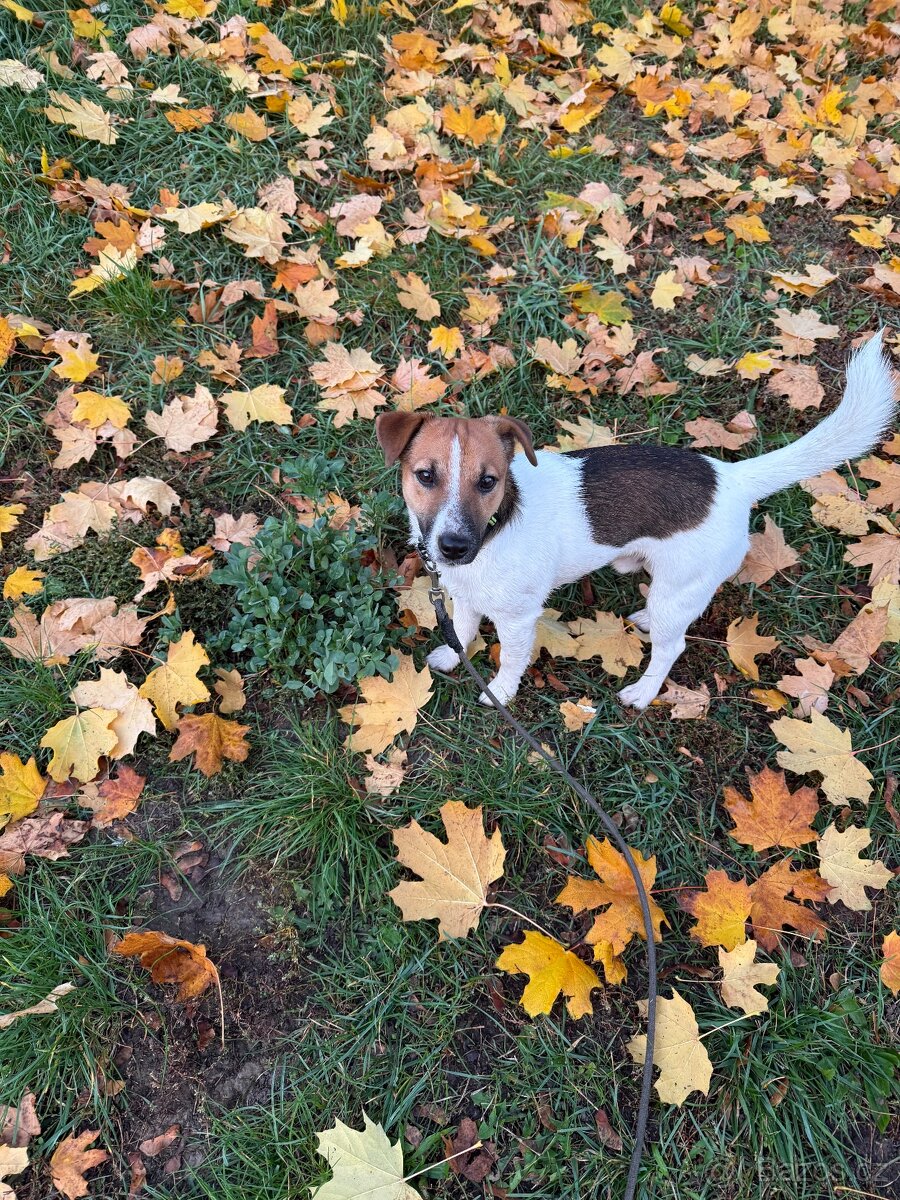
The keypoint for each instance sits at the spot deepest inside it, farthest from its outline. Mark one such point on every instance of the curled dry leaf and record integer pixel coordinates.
(684, 1065)
(171, 960)
(455, 875)
(384, 779)
(576, 715)
(71, 1160)
(229, 686)
(552, 971)
(47, 1005)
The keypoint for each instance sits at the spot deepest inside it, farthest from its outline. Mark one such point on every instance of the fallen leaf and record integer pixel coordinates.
(576, 715)
(384, 779)
(890, 966)
(619, 649)
(94, 409)
(79, 742)
(263, 403)
(772, 910)
(819, 745)
(721, 911)
(744, 644)
(20, 1124)
(445, 341)
(553, 636)
(211, 739)
(666, 291)
(887, 476)
(741, 976)
(72, 1159)
(186, 421)
(175, 681)
(230, 687)
(47, 1005)
(116, 798)
(155, 1145)
(615, 887)
(704, 431)
(747, 228)
(774, 816)
(455, 876)
(769, 553)
(552, 971)
(849, 875)
(21, 787)
(134, 715)
(22, 582)
(171, 960)
(15, 74)
(44, 837)
(413, 293)
(230, 531)
(84, 118)
(387, 708)
(881, 552)
(13, 1161)
(684, 1065)
(9, 518)
(687, 704)
(249, 124)
(809, 686)
(363, 1164)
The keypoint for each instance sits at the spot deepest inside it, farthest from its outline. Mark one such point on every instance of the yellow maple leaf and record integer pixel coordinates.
(414, 293)
(606, 636)
(464, 124)
(552, 970)
(249, 124)
(721, 911)
(94, 409)
(78, 742)
(21, 787)
(744, 644)
(455, 875)
(387, 708)
(22, 582)
(748, 228)
(819, 745)
(77, 360)
(175, 681)
(666, 291)
(445, 340)
(263, 403)
(9, 518)
(193, 10)
(684, 1065)
(752, 364)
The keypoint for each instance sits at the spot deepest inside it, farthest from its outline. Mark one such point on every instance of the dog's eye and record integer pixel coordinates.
(425, 477)
(487, 483)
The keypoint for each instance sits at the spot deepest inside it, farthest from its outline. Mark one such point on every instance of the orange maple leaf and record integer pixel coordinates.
(211, 739)
(775, 816)
(171, 960)
(772, 910)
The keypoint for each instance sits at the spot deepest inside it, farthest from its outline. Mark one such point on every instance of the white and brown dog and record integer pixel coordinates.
(506, 529)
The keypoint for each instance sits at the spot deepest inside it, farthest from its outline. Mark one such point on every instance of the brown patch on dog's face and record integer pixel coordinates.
(456, 480)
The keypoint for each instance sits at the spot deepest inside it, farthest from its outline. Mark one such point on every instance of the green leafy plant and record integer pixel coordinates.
(307, 605)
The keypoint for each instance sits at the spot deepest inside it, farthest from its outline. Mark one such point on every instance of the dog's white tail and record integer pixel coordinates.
(863, 415)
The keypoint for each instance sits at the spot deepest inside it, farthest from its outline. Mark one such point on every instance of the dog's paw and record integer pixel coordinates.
(638, 695)
(640, 619)
(503, 694)
(444, 658)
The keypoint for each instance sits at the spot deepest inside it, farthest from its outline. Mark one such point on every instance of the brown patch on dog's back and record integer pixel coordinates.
(632, 492)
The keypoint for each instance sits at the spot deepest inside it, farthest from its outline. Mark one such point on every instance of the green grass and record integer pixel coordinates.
(335, 1003)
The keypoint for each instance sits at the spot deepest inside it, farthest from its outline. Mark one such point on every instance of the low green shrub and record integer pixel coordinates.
(308, 607)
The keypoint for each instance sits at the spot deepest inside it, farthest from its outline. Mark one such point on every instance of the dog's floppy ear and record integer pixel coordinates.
(395, 430)
(512, 427)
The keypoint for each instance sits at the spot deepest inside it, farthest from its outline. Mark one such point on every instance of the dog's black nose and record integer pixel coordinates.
(453, 546)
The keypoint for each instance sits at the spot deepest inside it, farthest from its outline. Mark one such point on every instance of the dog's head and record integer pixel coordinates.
(455, 475)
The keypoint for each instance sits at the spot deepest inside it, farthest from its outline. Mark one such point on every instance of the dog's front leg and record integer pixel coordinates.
(465, 621)
(516, 633)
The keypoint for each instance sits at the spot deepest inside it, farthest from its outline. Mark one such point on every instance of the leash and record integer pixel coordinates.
(437, 597)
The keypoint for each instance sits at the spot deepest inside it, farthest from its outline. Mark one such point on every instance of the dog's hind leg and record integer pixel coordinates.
(672, 604)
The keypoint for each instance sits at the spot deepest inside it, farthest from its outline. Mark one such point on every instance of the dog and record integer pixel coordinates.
(506, 529)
